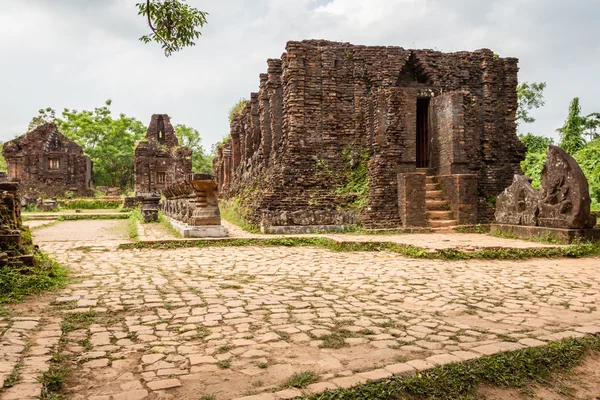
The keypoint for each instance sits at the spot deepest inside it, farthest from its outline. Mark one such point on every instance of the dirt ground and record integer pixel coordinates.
(582, 383)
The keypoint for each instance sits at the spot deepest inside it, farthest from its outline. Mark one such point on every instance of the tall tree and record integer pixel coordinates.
(190, 137)
(591, 125)
(530, 96)
(173, 23)
(571, 133)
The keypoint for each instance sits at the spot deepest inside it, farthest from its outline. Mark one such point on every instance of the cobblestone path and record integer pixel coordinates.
(234, 322)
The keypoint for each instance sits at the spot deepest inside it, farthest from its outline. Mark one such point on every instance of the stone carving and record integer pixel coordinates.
(518, 204)
(149, 204)
(193, 201)
(563, 202)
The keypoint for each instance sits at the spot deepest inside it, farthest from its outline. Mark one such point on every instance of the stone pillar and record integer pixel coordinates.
(265, 119)
(411, 199)
(275, 95)
(461, 192)
(235, 150)
(227, 168)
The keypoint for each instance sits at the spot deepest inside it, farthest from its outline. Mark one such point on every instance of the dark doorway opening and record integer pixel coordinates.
(423, 133)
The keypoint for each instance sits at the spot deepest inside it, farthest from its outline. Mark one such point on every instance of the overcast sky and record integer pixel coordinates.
(78, 53)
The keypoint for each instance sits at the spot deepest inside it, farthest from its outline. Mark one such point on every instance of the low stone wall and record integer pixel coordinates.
(193, 201)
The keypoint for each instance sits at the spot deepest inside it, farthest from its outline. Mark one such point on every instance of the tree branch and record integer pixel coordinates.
(167, 45)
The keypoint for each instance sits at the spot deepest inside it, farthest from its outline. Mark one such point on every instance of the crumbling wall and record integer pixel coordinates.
(324, 103)
(47, 163)
(159, 159)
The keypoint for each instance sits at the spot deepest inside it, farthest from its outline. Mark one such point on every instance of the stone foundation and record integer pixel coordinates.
(191, 231)
(536, 232)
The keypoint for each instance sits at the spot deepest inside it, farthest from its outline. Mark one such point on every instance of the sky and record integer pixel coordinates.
(77, 53)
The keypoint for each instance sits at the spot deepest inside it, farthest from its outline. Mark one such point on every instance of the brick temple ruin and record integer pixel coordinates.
(435, 132)
(159, 159)
(47, 163)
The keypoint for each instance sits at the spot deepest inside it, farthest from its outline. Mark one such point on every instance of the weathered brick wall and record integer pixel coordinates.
(159, 159)
(47, 163)
(323, 100)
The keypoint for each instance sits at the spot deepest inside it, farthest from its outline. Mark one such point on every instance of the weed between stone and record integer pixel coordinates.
(572, 251)
(516, 369)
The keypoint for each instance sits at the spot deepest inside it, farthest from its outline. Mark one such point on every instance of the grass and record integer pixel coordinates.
(518, 369)
(232, 211)
(132, 229)
(77, 320)
(16, 282)
(79, 217)
(301, 379)
(571, 251)
(224, 364)
(164, 221)
(336, 339)
(84, 204)
(54, 379)
(14, 377)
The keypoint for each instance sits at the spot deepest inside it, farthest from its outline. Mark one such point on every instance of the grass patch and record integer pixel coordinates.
(224, 364)
(572, 251)
(164, 221)
(232, 211)
(517, 369)
(14, 377)
(301, 379)
(77, 320)
(16, 282)
(132, 229)
(79, 217)
(336, 339)
(95, 204)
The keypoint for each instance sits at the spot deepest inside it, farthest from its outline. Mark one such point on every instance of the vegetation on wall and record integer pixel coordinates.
(237, 109)
(354, 178)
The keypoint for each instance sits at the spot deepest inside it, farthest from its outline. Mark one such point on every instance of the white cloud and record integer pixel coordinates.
(76, 54)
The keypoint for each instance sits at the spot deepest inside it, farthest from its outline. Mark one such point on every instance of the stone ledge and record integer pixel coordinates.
(300, 229)
(414, 366)
(561, 235)
(206, 231)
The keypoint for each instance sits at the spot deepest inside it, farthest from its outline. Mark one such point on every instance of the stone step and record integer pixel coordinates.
(439, 215)
(430, 179)
(442, 223)
(434, 195)
(437, 205)
(432, 186)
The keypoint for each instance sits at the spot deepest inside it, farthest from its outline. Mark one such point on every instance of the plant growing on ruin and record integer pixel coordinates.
(354, 178)
(173, 23)
(237, 109)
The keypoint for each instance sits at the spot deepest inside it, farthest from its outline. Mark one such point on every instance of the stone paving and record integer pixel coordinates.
(234, 322)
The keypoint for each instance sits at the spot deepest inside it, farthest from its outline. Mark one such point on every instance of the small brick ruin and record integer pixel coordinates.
(159, 159)
(48, 164)
(432, 135)
(16, 248)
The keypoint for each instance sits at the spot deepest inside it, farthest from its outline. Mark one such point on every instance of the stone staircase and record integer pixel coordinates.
(438, 208)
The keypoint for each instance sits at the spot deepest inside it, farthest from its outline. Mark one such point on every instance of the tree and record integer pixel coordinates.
(44, 116)
(2, 160)
(109, 142)
(530, 96)
(173, 23)
(190, 137)
(571, 133)
(591, 125)
(535, 143)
